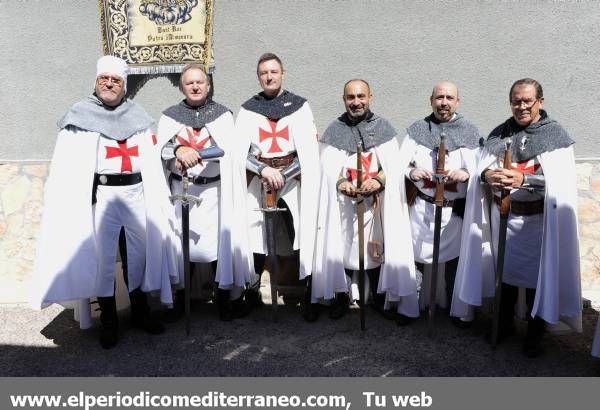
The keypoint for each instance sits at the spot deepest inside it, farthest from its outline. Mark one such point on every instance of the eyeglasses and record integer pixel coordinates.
(519, 103)
(104, 79)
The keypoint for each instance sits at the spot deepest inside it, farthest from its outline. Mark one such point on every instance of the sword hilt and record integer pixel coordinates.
(184, 197)
(270, 199)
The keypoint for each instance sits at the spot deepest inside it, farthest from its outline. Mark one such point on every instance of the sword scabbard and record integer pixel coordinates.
(505, 194)
(360, 213)
(439, 171)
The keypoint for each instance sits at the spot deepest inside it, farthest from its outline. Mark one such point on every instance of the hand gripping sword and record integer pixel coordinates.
(186, 200)
(360, 216)
(212, 153)
(504, 212)
(269, 210)
(437, 227)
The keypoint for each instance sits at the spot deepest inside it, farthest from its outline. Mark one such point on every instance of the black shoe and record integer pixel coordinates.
(403, 320)
(388, 314)
(109, 336)
(239, 308)
(461, 324)
(504, 332)
(532, 349)
(532, 345)
(310, 311)
(224, 305)
(340, 306)
(175, 313)
(148, 324)
(253, 298)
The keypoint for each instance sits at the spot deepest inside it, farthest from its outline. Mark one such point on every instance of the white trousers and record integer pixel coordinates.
(116, 207)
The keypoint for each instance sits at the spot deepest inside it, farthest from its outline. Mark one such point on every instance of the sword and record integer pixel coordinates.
(360, 215)
(186, 200)
(504, 212)
(437, 227)
(269, 209)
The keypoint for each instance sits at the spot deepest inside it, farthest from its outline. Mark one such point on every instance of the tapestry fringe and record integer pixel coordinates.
(162, 69)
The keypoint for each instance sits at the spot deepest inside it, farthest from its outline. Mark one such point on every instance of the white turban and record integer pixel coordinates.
(113, 65)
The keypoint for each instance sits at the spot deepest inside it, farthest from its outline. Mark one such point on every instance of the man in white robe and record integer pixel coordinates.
(421, 146)
(279, 138)
(217, 231)
(386, 226)
(105, 179)
(542, 245)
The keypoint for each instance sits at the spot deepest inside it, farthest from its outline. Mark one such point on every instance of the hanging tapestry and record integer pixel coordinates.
(158, 36)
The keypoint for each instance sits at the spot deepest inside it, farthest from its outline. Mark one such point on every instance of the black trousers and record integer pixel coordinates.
(449, 276)
(510, 295)
(373, 275)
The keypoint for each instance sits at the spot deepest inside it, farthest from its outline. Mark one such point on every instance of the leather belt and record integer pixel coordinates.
(198, 180)
(278, 162)
(117, 179)
(523, 207)
(447, 202)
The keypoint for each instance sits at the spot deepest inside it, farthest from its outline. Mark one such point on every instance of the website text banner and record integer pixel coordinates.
(296, 393)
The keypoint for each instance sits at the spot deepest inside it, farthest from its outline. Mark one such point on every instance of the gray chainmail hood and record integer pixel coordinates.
(117, 123)
(275, 108)
(542, 136)
(460, 133)
(371, 132)
(195, 117)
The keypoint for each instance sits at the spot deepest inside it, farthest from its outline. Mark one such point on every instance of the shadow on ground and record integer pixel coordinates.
(49, 343)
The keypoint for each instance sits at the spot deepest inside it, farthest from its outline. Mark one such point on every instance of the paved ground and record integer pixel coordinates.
(49, 343)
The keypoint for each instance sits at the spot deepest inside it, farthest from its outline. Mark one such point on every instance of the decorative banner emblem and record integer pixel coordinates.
(158, 36)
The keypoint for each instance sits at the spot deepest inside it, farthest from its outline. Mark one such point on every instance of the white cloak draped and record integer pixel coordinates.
(66, 263)
(425, 248)
(397, 278)
(234, 266)
(558, 291)
(304, 133)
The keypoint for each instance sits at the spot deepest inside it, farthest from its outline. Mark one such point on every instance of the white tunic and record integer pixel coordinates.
(68, 264)
(558, 286)
(398, 278)
(422, 212)
(372, 228)
(217, 229)
(524, 233)
(204, 232)
(298, 129)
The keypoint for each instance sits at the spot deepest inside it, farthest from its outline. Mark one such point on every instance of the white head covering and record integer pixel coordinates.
(113, 65)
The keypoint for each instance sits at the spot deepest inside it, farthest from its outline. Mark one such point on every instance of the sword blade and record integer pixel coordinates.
(501, 251)
(185, 227)
(434, 269)
(360, 213)
(504, 213)
(272, 257)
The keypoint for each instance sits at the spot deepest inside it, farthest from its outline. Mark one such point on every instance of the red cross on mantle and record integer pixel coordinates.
(192, 137)
(526, 167)
(366, 162)
(273, 134)
(427, 183)
(124, 152)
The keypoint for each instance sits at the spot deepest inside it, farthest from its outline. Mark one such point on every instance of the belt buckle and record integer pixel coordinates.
(103, 179)
(276, 162)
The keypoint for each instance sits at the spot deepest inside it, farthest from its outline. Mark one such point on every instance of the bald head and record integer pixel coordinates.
(444, 100)
(357, 98)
